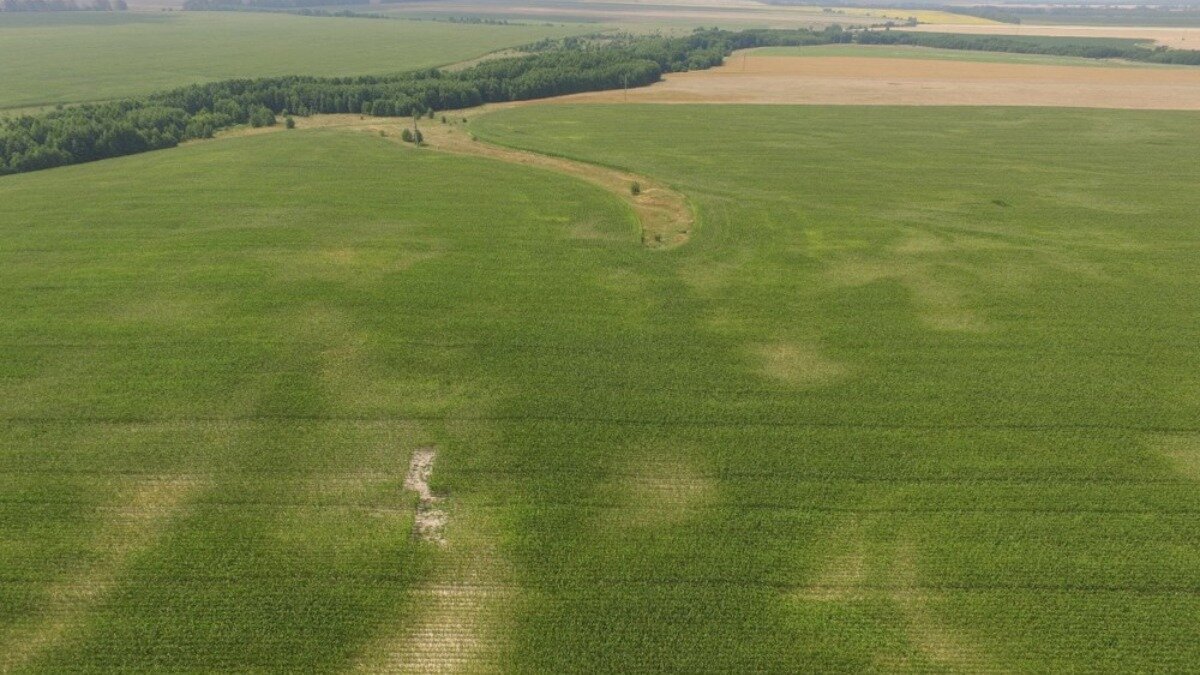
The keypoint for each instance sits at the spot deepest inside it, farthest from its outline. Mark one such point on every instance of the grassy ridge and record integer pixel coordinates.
(914, 409)
(66, 58)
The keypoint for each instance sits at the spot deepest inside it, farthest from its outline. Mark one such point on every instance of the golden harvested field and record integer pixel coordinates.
(1177, 38)
(872, 81)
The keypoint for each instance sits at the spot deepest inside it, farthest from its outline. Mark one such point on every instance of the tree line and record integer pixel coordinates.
(1088, 48)
(232, 5)
(96, 131)
(62, 6)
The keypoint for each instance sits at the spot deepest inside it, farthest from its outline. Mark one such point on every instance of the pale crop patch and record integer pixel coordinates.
(1183, 453)
(940, 306)
(455, 632)
(857, 570)
(843, 575)
(797, 364)
(941, 644)
(661, 493)
(134, 527)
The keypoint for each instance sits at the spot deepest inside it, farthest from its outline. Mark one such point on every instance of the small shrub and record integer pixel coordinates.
(289, 122)
(406, 135)
(262, 117)
(635, 189)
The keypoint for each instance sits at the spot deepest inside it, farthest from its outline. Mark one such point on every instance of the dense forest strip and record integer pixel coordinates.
(1088, 48)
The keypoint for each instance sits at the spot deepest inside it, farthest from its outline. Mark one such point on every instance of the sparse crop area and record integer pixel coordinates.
(916, 395)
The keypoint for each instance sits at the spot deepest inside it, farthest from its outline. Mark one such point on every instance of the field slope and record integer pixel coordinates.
(917, 395)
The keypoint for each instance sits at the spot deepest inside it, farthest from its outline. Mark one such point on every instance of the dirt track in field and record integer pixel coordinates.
(1177, 38)
(665, 217)
(874, 81)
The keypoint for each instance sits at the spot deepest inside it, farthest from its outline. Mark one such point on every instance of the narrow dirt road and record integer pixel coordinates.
(665, 216)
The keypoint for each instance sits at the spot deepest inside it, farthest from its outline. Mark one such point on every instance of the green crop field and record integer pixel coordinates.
(919, 394)
(52, 58)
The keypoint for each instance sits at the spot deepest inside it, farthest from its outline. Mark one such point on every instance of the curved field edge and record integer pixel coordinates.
(664, 216)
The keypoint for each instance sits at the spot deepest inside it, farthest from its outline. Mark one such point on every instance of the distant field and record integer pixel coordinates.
(1106, 16)
(919, 395)
(639, 16)
(863, 79)
(1177, 38)
(905, 52)
(922, 15)
(71, 57)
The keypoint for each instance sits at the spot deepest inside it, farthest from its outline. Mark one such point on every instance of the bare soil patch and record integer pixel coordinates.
(429, 523)
(838, 80)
